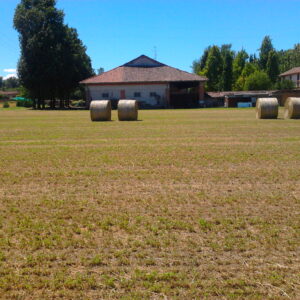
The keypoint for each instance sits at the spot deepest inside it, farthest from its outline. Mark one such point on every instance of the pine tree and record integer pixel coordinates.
(265, 49)
(226, 79)
(213, 69)
(273, 66)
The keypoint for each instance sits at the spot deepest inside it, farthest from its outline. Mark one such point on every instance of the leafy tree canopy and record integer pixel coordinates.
(213, 68)
(53, 59)
(257, 81)
(239, 63)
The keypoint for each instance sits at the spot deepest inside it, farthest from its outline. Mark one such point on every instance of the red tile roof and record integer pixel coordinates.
(291, 72)
(9, 93)
(143, 69)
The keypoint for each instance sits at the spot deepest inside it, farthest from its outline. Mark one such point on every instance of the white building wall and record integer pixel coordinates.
(100, 92)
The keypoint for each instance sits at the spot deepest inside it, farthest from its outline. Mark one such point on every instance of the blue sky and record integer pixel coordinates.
(116, 31)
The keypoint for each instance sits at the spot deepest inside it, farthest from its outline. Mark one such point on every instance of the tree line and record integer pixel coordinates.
(9, 83)
(53, 59)
(229, 70)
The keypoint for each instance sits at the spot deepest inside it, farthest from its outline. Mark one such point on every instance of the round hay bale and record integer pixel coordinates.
(100, 110)
(128, 110)
(292, 108)
(266, 108)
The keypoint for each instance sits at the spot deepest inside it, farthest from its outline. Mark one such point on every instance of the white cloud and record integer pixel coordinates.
(9, 76)
(10, 70)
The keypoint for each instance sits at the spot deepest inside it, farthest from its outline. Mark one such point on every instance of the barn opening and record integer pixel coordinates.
(184, 94)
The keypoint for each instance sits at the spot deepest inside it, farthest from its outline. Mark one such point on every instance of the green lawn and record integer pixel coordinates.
(184, 204)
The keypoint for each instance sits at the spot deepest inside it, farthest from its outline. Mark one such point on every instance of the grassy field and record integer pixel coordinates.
(184, 204)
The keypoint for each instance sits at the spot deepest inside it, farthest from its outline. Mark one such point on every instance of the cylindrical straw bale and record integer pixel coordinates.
(266, 108)
(100, 110)
(128, 110)
(292, 108)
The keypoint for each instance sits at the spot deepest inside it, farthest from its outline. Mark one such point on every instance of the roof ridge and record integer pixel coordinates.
(143, 56)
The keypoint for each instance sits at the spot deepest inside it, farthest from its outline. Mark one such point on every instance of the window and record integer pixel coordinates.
(137, 94)
(152, 94)
(105, 95)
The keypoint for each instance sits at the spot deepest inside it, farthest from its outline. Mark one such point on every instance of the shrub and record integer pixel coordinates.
(6, 104)
(258, 80)
(285, 85)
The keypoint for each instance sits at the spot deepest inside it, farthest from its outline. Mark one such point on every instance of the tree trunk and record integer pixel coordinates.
(43, 104)
(34, 103)
(61, 103)
(39, 104)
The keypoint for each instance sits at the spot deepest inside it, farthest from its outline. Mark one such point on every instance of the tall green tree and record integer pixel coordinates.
(213, 69)
(273, 66)
(1, 82)
(51, 63)
(41, 33)
(199, 65)
(264, 50)
(76, 64)
(227, 74)
(239, 64)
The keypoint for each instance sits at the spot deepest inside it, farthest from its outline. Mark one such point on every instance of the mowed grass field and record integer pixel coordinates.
(184, 204)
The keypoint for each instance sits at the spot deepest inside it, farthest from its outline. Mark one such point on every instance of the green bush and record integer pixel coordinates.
(285, 85)
(5, 104)
(257, 81)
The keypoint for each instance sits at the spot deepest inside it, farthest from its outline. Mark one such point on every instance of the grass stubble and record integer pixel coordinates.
(185, 204)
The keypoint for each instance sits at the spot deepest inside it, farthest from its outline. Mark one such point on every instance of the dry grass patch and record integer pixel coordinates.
(185, 204)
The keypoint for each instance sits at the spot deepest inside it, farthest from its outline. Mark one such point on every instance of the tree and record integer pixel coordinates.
(258, 80)
(265, 49)
(226, 77)
(249, 69)
(199, 65)
(273, 66)
(11, 83)
(239, 64)
(285, 85)
(100, 70)
(41, 29)
(76, 64)
(213, 69)
(53, 59)
(289, 58)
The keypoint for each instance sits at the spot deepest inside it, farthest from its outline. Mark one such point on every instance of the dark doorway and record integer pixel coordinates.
(184, 94)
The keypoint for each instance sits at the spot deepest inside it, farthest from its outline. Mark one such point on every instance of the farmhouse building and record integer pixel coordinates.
(152, 83)
(293, 75)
